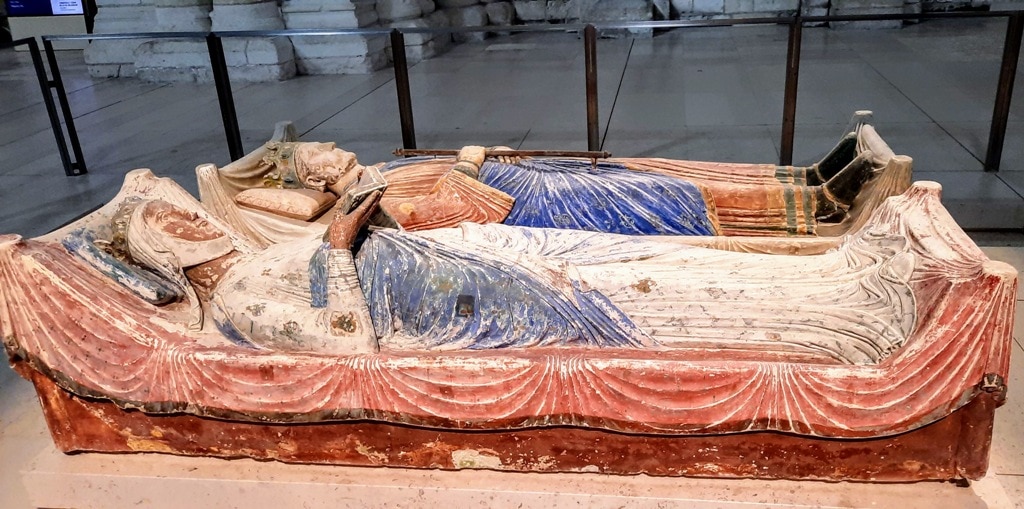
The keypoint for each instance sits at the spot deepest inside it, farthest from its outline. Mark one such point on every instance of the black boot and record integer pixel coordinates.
(841, 155)
(836, 196)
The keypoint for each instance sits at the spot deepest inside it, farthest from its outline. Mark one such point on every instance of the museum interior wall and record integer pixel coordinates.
(277, 58)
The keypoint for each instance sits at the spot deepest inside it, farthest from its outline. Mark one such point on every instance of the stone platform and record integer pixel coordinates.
(160, 481)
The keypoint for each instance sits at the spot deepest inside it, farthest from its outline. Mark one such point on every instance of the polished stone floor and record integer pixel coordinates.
(698, 94)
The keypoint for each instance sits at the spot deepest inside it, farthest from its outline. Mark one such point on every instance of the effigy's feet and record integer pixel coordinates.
(835, 197)
(835, 161)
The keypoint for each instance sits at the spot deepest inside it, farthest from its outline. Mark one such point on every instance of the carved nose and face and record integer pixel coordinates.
(180, 223)
(324, 164)
(191, 238)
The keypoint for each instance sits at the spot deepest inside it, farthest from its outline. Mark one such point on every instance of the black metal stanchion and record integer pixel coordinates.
(402, 86)
(77, 167)
(792, 81)
(1001, 110)
(51, 108)
(224, 97)
(590, 60)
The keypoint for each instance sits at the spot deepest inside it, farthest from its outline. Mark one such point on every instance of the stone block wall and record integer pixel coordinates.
(335, 54)
(583, 11)
(422, 46)
(176, 59)
(117, 58)
(867, 7)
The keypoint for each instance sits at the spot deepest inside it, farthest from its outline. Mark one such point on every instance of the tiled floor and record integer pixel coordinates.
(699, 94)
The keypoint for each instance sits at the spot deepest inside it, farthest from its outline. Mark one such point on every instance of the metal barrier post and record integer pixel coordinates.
(590, 60)
(51, 108)
(792, 82)
(1001, 110)
(77, 167)
(224, 97)
(402, 85)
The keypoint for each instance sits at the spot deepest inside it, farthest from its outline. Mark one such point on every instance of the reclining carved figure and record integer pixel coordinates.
(647, 196)
(497, 286)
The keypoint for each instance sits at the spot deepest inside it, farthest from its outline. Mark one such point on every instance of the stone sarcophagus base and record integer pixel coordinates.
(954, 447)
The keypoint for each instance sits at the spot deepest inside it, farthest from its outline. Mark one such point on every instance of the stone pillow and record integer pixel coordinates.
(304, 204)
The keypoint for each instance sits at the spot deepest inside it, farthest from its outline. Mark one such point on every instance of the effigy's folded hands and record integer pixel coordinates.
(469, 160)
(343, 229)
(505, 159)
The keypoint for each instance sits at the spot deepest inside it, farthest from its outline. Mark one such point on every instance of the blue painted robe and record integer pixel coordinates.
(425, 294)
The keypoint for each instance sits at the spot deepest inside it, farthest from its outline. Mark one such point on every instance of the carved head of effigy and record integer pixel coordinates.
(189, 237)
(323, 166)
(167, 239)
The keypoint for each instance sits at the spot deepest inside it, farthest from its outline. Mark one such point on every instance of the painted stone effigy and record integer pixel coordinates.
(222, 325)
(630, 196)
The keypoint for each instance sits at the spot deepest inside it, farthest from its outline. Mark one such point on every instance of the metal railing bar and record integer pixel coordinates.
(785, 20)
(577, 27)
(691, 23)
(132, 35)
(15, 44)
(304, 32)
(909, 17)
